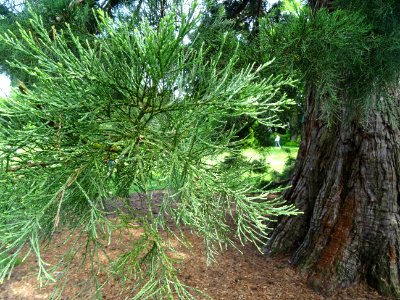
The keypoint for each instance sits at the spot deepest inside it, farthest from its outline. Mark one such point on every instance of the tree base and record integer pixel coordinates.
(346, 183)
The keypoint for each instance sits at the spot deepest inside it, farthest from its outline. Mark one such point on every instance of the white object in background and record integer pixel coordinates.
(5, 85)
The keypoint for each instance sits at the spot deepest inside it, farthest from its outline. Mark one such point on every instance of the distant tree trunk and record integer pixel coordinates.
(347, 183)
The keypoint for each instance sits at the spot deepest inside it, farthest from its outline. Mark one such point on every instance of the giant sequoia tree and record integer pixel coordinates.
(118, 110)
(347, 177)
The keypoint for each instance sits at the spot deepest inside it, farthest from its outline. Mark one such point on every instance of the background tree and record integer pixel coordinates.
(111, 115)
(346, 180)
(239, 22)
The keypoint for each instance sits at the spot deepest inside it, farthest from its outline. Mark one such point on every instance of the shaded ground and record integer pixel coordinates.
(236, 276)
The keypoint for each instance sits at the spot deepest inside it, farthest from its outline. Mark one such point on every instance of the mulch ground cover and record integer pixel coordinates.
(237, 275)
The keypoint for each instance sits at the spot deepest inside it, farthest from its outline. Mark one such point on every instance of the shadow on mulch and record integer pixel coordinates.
(244, 275)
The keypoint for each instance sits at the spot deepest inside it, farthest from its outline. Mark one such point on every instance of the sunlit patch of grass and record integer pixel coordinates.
(212, 161)
(274, 157)
(252, 154)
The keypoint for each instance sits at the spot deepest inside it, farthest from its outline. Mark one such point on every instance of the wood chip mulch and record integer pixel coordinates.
(248, 275)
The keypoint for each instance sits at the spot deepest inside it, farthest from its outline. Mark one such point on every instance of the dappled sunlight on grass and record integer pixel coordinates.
(274, 157)
(252, 154)
(212, 161)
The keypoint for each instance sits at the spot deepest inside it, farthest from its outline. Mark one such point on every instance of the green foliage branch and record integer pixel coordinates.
(55, 14)
(110, 117)
(346, 54)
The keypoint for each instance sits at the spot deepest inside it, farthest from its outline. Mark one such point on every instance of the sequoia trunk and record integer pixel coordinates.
(346, 183)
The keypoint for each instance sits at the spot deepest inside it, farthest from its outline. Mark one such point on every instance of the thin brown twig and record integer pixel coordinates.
(60, 195)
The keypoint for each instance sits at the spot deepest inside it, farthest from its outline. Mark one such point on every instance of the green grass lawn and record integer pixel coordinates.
(274, 157)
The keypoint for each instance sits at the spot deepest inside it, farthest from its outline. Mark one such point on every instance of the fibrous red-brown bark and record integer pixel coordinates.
(347, 184)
